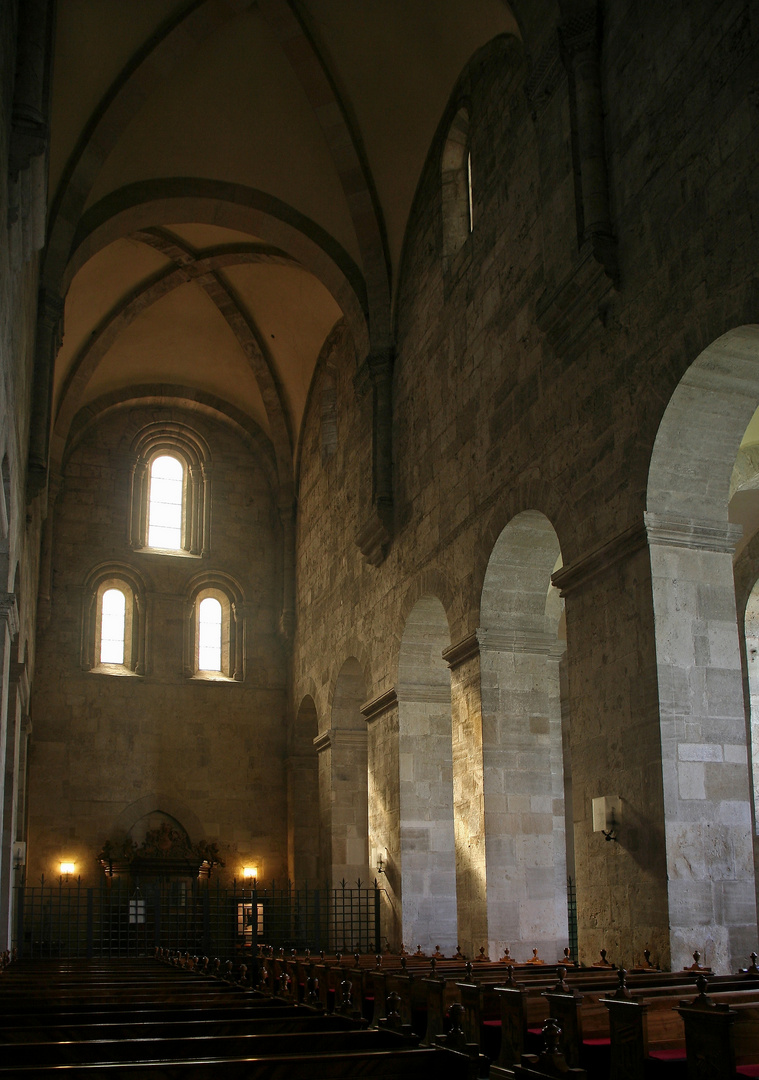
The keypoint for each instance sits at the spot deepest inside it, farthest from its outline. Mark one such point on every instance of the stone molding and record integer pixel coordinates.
(374, 536)
(26, 724)
(466, 649)
(601, 559)
(676, 531)
(385, 701)
(518, 640)
(432, 692)
(331, 740)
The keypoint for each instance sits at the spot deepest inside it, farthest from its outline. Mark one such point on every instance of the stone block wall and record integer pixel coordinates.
(111, 748)
(502, 405)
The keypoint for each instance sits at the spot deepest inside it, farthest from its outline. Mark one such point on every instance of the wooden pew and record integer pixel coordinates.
(127, 1037)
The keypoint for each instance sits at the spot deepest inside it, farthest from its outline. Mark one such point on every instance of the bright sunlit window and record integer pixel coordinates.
(165, 503)
(209, 634)
(112, 627)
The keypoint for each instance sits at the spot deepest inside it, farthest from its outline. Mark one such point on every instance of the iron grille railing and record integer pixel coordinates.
(572, 918)
(66, 919)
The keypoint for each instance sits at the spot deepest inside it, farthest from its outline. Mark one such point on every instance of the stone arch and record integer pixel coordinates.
(522, 755)
(157, 803)
(426, 857)
(343, 780)
(706, 791)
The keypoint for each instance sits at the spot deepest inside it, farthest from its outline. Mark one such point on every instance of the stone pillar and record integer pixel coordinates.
(302, 818)
(615, 745)
(382, 718)
(428, 856)
(13, 781)
(9, 626)
(468, 794)
(705, 763)
(523, 792)
(343, 806)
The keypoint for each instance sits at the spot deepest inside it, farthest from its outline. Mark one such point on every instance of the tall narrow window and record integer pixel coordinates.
(165, 503)
(209, 634)
(112, 627)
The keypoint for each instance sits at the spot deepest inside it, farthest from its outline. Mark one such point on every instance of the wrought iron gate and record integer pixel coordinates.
(118, 920)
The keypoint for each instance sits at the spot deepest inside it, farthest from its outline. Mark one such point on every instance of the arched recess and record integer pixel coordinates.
(707, 808)
(523, 770)
(303, 843)
(427, 857)
(343, 790)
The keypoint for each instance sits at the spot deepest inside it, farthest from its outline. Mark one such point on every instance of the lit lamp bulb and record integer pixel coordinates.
(250, 873)
(67, 868)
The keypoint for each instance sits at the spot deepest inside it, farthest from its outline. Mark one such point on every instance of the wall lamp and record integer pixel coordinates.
(249, 873)
(67, 869)
(381, 866)
(607, 811)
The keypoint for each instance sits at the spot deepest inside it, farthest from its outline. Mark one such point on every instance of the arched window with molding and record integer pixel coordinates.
(456, 180)
(171, 499)
(215, 629)
(114, 622)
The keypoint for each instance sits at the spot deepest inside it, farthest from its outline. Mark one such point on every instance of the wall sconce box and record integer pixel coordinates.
(607, 811)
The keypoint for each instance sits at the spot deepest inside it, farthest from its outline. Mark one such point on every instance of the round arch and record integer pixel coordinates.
(702, 722)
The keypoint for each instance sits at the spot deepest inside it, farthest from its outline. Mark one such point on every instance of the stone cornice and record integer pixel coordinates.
(676, 531)
(600, 559)
(385, 701)
(466, 649)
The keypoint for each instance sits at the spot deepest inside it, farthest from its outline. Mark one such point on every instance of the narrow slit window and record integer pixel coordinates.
(469, 188)
(112, 627)
(165, 503)
(209, 634)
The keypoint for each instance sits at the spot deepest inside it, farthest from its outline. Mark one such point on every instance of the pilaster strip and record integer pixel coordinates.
(600, 559)
(379, 705)
(675, 531)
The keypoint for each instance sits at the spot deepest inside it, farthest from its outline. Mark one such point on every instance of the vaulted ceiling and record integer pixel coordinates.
(228, 180)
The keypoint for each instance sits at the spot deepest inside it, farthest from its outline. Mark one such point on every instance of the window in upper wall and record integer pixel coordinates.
(171, 498)
(209, 634)
(113, 631)
(215, 624)
(456, 179)
(112, 626)
(165, 503)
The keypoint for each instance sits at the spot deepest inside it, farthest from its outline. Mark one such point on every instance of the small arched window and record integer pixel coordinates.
(210, 623)
(113, 639)
(215, 630)
(112, 626)
(166, 503)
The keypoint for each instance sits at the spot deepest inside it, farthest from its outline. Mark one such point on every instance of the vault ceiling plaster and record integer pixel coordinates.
(181, 338)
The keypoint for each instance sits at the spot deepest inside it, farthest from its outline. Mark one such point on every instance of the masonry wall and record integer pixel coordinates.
(495, 412)
(111, 750)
